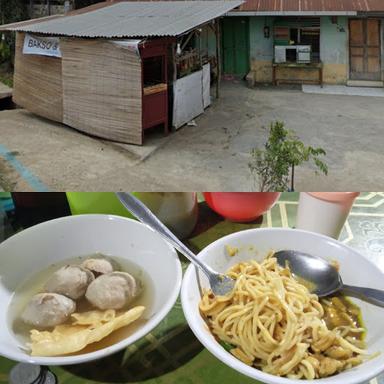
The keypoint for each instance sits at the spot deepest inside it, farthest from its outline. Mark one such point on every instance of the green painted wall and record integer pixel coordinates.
(333, 49)
(261, 48)
(334, 40)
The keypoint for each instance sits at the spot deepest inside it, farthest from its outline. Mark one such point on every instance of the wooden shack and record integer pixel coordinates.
(37, 83)
(100, 87)
(106, 71)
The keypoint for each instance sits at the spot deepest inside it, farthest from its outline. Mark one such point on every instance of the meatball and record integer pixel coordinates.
(98, 266)
(47, 310)
(71, 281)
(113, 291)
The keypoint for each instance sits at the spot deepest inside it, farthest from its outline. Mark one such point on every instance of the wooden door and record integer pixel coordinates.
(364, 48)
(235, 45)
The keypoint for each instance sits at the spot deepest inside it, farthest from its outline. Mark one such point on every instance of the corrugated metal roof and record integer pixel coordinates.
(135, 19)
(313, 5)
(17, 24)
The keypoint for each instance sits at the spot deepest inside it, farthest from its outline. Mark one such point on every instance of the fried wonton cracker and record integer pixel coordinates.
(87, 328)
(94, 317)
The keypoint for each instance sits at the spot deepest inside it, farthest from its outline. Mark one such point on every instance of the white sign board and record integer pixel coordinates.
(187, 98)
(191, 95)
(43, 46)
(206, 85)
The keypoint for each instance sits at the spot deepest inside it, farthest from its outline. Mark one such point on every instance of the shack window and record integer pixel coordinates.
(306, 36)
(298, 31)
(153, 71)
(311, 36)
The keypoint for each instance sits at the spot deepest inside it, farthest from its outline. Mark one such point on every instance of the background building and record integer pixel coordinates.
(345, 40)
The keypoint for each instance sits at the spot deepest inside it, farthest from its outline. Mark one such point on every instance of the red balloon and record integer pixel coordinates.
(241, 206)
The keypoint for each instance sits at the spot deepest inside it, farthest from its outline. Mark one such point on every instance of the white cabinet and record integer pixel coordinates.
(302, 53)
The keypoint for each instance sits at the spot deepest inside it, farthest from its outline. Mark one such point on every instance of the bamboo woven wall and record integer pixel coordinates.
(102, 89)
(37, 83)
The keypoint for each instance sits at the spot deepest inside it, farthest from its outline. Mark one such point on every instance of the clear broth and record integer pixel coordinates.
(25, 291)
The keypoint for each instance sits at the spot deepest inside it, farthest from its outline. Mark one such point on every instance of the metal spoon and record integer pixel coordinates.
(220, 284)
(324, 276)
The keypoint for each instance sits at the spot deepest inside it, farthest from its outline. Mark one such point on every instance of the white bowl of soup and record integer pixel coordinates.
(268, 311)
(30, 258)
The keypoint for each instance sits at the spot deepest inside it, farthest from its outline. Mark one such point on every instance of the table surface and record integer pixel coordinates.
(171, 353)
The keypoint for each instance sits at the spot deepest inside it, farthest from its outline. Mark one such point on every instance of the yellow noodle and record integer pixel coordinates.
(275, 324)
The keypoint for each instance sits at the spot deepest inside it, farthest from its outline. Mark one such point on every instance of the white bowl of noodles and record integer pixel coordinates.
(255, 244)
(66, 241)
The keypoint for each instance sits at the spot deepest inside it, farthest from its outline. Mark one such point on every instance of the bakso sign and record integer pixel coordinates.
(38, 45)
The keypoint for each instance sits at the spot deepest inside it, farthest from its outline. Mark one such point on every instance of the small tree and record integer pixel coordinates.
(10, 11)
(274, 165)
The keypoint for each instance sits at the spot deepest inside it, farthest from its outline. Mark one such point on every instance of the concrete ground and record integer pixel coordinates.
(343, 90)
(5, 91)
(213, 155)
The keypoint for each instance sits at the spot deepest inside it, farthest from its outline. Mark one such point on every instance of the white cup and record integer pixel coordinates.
(324, 212)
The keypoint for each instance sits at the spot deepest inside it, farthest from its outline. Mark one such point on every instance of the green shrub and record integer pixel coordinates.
(10, 11)
(283, 151)
(5, 52)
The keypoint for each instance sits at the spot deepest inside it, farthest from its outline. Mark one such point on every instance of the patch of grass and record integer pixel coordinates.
(7, 79)
(5, 182)
(6, 74)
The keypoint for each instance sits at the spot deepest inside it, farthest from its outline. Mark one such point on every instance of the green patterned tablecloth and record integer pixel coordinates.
(171, 353)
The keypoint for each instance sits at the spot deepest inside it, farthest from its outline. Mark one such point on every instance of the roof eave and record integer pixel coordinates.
(371, 13)
(292, 13)
(11, 27)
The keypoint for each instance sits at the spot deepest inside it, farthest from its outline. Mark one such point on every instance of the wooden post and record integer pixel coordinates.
(31, 9)
(292, 179)
(200, 56)
(189, 37)
(218, 57)
(174, 64)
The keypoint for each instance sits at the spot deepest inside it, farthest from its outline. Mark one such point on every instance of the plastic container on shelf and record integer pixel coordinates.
(96, 202)
(178, 210)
